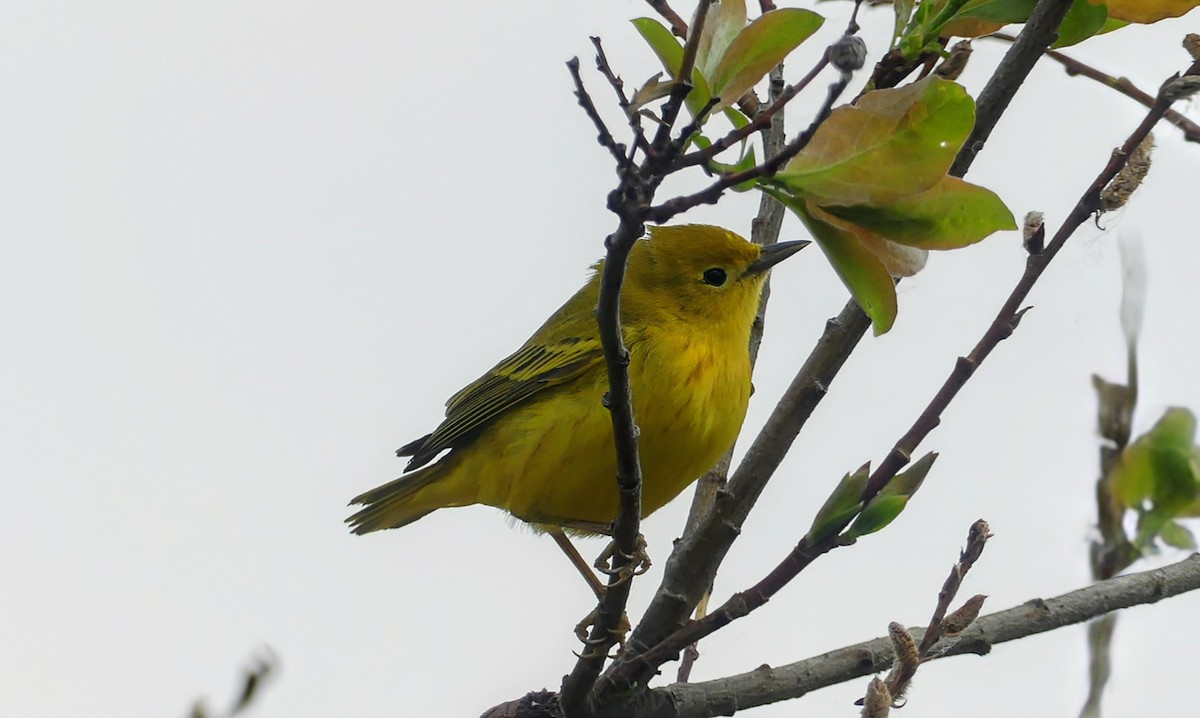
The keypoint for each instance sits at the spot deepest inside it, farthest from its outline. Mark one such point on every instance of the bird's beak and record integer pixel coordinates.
(774, 254)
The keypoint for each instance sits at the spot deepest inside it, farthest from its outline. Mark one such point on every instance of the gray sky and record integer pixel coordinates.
(249, 248)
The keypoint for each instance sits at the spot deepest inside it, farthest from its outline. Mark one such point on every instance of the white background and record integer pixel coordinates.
(249, 248)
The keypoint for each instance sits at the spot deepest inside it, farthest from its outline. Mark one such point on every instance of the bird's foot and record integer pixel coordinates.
(634, 564)
(596, 647)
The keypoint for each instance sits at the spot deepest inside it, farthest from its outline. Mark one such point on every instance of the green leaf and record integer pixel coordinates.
(908, 481)
(860, 270)
(893, 143)
(904, 11)
(948, 215)
(842, 505)
(1084, 19)
(670, 53)
(723, 23)
(1160, 467)
(760, 46)
(1178, 536)
(877, 514)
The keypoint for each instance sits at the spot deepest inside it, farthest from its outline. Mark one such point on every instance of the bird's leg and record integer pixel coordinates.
(581, 629)
(636, 563)
(579, 562)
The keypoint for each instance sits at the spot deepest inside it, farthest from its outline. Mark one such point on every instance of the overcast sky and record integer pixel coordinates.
(249, 248)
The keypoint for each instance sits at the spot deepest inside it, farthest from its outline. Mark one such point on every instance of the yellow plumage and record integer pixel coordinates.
(532, 436)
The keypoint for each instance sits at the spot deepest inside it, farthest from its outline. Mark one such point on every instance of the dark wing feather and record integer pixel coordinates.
(510, 383)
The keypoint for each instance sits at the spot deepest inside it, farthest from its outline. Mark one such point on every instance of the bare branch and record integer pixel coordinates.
(976, 539)
(605, 138)
(678, 25)
(760, 122)
(1038, 33)
(766, 685)
(618, 86)
(1191, 131)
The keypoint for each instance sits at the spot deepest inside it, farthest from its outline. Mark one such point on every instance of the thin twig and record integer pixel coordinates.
(683, 81)
(604, 137)
(678, 25)
(760, 121)
(1191, 130)
(618, 85)
(640, 667)
(1038, 33)
(976, 539)
(709, 195)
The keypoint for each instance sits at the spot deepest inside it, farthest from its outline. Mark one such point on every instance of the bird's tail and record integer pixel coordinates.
(404, 500)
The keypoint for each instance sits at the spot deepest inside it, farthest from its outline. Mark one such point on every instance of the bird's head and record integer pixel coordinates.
(700, 273)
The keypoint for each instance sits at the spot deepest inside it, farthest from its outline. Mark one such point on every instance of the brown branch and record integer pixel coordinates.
(1073, 67)
(629, 202)
(678, 25)
(618, 86)
(683, 80)
(664, 212)
(604, 136)
(766, 685)
(640, 667)
(976, 539)
(760, 122)
(1039, 33)
(611, 606)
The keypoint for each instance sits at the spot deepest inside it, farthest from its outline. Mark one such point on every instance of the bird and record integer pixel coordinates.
(533, 436)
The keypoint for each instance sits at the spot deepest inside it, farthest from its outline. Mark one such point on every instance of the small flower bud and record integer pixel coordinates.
(960, 620)
(848, 53)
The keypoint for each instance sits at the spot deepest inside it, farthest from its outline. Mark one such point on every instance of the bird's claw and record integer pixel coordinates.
(635, 564)
(600, 645)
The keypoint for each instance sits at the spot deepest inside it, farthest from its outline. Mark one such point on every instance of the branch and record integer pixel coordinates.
(761, 121)
(1191, 131)
(604, 137)
(766, 685)
(709, 195)
(1039, 32)
(629, 471)
(618, 86)
(678, 26)
(639, 667)
(683, 80)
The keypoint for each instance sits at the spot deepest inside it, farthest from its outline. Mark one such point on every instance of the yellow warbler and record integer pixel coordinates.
(532, 436)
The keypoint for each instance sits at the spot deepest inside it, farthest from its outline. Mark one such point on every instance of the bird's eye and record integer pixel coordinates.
(714, 276)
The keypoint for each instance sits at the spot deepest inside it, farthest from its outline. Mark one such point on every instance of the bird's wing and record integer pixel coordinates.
(534, 367)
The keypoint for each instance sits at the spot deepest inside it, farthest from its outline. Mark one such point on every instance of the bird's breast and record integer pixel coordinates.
(690, 398)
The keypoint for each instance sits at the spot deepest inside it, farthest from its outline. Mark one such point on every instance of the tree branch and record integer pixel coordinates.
(640, 667)
(1038, 33)
(767, 685)
(1073, 67)
(697, 555)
